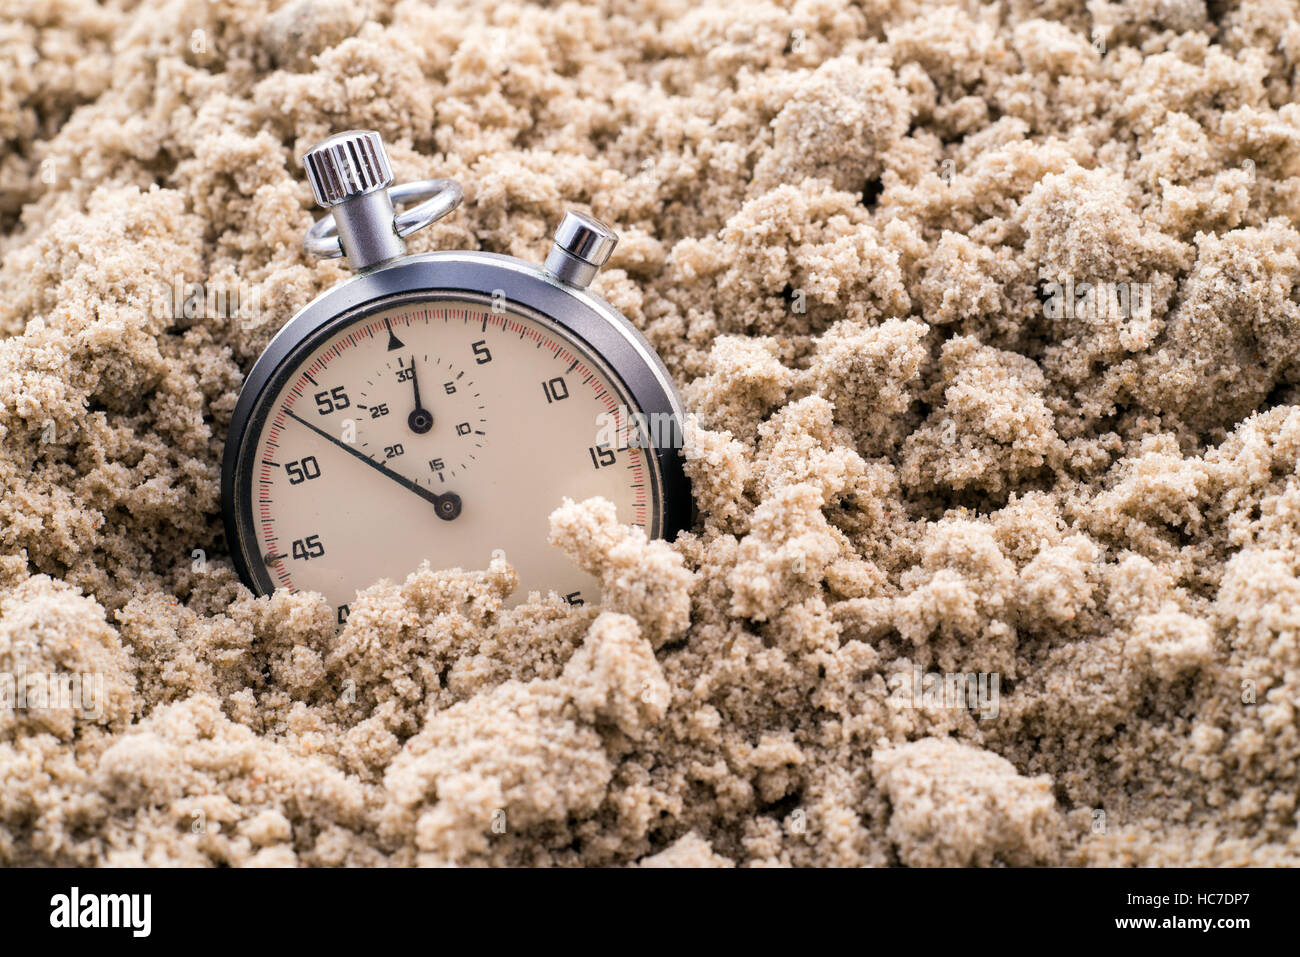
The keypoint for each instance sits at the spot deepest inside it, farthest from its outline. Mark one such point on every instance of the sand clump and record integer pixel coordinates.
(840, 225)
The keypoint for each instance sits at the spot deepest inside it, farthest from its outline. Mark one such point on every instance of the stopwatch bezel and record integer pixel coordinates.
(594, 325)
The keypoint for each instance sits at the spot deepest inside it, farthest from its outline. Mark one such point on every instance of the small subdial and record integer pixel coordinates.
(422, 417)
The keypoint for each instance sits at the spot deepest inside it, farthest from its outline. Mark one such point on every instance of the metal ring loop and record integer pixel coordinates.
(440, 197)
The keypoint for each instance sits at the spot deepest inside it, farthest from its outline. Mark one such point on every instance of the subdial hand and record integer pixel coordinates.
(447, 505)
(421, 419)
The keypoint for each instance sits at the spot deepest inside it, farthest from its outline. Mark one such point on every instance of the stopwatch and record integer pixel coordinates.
(441, 406)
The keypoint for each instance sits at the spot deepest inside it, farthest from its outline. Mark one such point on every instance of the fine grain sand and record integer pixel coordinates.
(840, 222)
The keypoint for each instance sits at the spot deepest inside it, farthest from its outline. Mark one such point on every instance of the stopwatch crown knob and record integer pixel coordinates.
(350, 175)
(347, 165)
(582, 245)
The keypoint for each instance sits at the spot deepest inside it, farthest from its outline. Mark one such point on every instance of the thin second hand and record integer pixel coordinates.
(447, 504)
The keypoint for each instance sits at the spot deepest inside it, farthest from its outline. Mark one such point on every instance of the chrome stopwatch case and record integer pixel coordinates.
(441, 406)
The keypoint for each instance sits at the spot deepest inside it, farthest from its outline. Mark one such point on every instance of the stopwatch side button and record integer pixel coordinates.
(582, 245)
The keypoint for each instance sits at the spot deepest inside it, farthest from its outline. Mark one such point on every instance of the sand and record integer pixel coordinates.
(847, 228)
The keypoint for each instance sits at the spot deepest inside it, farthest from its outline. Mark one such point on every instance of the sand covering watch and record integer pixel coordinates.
(440, 406)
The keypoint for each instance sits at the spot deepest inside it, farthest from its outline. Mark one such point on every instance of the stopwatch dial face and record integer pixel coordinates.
(440, 429)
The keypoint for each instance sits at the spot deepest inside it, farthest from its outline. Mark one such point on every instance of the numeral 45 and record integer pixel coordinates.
(305, 549)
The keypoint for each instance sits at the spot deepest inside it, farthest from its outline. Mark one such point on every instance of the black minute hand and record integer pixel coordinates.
(420, 420)
(447, 505)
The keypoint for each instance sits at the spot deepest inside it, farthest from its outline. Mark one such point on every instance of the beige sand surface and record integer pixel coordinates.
(837, 219)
